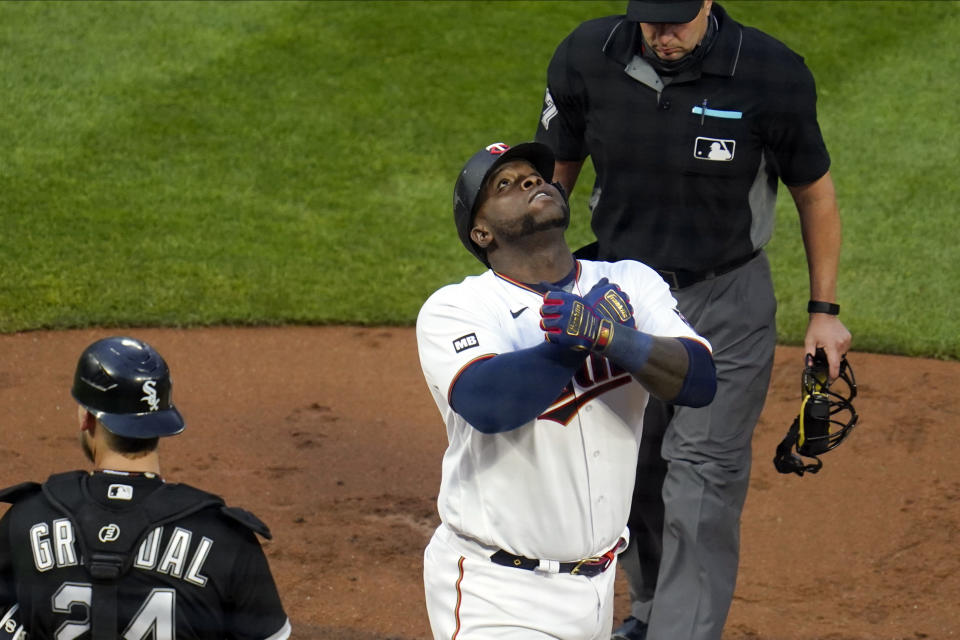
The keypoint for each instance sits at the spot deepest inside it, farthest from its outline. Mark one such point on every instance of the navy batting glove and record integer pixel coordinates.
(609, 301)
(568, 321)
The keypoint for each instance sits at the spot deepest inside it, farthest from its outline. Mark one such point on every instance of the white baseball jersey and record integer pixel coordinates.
(559, 487)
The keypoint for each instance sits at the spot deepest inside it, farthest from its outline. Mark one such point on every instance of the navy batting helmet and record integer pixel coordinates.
(466, 193)
(126, 384)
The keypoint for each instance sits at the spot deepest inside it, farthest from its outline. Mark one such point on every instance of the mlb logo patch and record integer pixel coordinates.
(466, 342)
(120, 492)
(716, 149)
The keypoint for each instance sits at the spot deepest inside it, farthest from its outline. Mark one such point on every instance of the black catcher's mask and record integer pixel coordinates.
(826, 416)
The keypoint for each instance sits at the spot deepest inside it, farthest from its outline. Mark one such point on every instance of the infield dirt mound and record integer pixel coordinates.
(330, 436)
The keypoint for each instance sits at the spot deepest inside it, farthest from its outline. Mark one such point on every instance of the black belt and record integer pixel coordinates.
(681, 278)
(588, 567)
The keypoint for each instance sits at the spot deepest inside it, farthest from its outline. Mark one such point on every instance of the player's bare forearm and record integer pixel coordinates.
(676, 370)
(663, 372)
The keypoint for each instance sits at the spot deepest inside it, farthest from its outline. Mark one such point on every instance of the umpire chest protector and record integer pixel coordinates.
(108, 538)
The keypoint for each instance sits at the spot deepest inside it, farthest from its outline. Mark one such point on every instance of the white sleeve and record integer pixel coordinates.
(455, 327)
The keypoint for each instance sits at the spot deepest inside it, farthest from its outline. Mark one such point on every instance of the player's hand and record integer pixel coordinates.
(609, 301)
(570, 322)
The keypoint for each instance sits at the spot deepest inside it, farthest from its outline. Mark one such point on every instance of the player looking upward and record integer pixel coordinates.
(541, 368)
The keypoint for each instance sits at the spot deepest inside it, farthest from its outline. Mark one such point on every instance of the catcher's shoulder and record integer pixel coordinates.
(235, 517)
(20, 493)
(246, 519)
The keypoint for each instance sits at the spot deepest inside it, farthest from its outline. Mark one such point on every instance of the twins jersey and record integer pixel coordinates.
(558, 487)
(200, 576)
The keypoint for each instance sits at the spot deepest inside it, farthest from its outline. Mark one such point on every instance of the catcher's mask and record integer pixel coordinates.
(819, 427)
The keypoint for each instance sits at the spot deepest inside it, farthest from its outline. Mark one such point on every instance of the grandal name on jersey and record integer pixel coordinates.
(54, 546)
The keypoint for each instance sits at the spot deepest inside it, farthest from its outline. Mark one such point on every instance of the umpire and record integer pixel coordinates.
(691, 120)
(117, 552)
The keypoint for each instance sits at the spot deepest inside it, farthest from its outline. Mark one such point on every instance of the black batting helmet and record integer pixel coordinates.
(126, 384)
(466, 193)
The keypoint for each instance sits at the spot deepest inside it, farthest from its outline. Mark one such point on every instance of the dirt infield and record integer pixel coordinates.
(330, 436)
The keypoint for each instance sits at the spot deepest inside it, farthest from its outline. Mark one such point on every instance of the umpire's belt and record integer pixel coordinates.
(681, 278)
(588, 567)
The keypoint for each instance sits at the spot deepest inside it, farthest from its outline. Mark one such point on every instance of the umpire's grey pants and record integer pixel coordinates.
(685, 522)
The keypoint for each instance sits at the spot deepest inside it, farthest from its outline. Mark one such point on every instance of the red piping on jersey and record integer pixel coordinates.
(697, 340)
(456, 612)
(517, 283)
(460, 373)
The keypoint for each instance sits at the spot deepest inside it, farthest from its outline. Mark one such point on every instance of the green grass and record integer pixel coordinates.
(203, 163)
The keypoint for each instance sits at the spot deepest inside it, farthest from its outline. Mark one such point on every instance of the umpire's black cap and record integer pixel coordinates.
(674, 11)
(466, 194)
(126, 384)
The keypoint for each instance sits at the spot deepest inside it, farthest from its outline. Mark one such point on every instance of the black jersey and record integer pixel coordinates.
(196, 570)
(687, 165)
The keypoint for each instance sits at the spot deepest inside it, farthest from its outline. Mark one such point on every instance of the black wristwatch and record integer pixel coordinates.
(829, 308)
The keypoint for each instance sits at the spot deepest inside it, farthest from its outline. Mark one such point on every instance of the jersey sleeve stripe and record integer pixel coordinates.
(460, 373)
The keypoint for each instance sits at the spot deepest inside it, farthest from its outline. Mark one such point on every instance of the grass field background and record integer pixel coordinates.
(207, 163)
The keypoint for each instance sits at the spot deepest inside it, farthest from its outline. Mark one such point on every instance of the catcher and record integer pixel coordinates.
(117, 552)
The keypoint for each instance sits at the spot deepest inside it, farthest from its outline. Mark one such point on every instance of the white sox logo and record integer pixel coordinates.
(109, 533)
(596, 376)
(149, 388)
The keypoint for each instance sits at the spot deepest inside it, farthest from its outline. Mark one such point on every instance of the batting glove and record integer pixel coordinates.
(609, 301)
(568, 321)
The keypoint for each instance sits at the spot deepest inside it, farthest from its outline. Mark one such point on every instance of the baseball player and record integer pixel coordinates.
(117, 552)
(541, 368)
